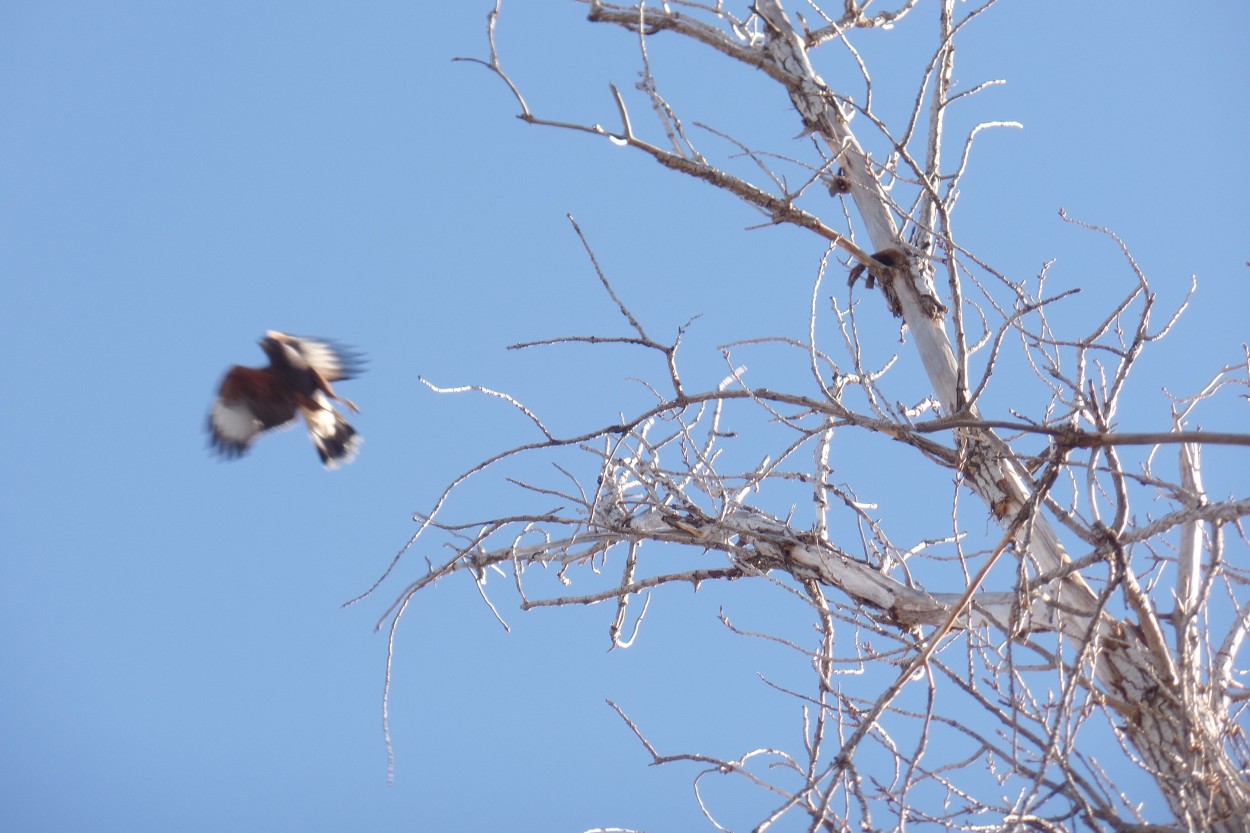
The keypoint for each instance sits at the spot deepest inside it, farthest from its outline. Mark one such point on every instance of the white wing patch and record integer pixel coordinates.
(234, 423)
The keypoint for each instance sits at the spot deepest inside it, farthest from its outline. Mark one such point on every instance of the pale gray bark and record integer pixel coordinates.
(1177, 737)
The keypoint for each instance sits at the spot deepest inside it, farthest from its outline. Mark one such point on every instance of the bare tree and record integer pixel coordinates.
(1104, 606)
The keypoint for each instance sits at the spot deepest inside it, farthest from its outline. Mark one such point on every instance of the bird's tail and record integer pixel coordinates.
(334, 438)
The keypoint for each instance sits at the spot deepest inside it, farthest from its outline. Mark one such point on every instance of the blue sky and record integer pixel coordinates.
(179, 179)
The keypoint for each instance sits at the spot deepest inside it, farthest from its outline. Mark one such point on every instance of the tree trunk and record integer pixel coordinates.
(1179, 738)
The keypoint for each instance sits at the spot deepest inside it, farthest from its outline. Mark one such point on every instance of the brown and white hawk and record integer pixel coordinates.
(252, 400)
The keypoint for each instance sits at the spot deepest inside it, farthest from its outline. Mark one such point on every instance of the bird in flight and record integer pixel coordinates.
(252, 400)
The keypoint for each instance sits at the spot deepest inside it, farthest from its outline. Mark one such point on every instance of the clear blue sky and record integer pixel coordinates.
(177, 179)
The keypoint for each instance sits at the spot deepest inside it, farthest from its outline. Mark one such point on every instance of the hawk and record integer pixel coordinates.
(252, 400)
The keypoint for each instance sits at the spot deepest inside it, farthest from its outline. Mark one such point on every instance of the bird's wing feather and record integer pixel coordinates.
(331, 361)
(248, 402)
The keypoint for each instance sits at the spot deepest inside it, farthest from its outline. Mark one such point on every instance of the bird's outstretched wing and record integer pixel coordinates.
(329, 360)
(249, 401)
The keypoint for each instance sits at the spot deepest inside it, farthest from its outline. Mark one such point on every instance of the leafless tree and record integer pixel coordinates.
(1105, 606)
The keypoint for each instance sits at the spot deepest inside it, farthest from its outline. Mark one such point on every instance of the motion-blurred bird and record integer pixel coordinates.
(255, 399)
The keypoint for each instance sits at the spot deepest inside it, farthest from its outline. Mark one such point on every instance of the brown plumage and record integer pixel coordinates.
(252, 400)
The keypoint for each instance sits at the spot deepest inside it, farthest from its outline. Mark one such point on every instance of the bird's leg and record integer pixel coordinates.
(329, 391)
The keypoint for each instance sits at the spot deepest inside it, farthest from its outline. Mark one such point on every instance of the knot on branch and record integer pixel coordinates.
(610, 509)
(890, 266)
(692, 522)
(839, 183)
(887, 266)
